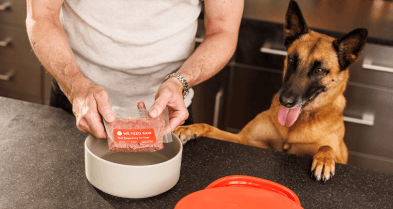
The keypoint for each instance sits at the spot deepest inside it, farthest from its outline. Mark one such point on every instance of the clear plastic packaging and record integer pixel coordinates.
(134, 131)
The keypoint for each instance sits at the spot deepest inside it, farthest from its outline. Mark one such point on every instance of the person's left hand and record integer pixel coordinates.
(170, 94)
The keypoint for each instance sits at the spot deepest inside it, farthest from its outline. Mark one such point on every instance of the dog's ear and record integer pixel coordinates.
(349, 47)
(295, 25)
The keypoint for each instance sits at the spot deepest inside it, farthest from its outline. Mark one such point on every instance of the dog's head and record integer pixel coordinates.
(316, 66)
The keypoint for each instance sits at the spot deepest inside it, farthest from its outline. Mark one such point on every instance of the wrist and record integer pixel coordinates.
(71, 79)
(180, 82)
(79, 86)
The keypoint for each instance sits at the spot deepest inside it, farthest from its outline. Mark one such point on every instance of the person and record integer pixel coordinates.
(115, 53)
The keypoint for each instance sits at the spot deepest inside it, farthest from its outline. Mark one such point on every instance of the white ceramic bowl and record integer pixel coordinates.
(132, 175)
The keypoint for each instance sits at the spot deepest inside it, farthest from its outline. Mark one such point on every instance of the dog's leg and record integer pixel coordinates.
(259, 132)
(186, 133)
(324, 162)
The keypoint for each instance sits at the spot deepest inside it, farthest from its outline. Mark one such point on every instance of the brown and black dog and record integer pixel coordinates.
(306, 115)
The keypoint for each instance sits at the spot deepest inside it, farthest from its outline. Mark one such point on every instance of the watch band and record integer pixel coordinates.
(182, 80)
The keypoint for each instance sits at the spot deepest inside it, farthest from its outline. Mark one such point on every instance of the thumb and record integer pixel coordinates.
(160, 104)
(103, 106)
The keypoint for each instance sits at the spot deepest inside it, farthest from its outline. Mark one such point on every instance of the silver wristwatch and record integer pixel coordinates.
(182, 80)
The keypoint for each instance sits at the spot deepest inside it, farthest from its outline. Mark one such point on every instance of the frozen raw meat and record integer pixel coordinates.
(135, 131)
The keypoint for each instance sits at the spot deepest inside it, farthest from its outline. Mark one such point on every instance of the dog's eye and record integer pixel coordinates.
(291, 61)
(319, 71)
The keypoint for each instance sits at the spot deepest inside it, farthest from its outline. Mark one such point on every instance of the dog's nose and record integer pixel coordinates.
(287, 101)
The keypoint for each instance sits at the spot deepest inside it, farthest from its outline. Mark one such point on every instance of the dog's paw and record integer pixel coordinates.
(323, 167)
(186, 133)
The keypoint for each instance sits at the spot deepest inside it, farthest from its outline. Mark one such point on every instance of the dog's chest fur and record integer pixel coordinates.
(309, 128)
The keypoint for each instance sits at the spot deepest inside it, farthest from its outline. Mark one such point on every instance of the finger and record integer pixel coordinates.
(174, 123)
(93, 119)
(177, 118)
(141, 105)
(182, 113)
(160, 103)
(102, 102)
(95, 125)
(81, 124)
(79, 109)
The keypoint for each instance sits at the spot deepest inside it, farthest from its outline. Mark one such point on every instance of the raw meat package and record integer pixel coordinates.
(134, 131)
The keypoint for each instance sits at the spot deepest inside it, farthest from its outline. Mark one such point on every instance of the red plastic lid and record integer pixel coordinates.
(241, 192)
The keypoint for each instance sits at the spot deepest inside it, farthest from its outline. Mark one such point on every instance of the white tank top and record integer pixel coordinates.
(129, 46)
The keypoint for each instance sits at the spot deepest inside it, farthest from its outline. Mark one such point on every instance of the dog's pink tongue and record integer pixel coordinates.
(286, 116)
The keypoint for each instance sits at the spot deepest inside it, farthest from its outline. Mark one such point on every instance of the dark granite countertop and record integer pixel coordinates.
(334, 18)
(42, 166)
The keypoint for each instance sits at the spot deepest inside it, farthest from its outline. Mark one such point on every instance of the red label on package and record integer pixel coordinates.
(135, 135)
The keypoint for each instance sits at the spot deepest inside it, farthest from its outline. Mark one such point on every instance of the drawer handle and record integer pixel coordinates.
(267, 48)
(217, 107)
(198, 40)
(368, 64)
(367, 119)
(7, 75)
(6, 42)
(5, 5)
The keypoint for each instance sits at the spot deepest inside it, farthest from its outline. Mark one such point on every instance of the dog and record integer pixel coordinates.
(306, 115)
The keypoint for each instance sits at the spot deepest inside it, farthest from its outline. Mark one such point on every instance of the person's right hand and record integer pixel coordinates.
(89, 103)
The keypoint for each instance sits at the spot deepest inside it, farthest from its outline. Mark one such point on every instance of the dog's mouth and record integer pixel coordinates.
(288, 116)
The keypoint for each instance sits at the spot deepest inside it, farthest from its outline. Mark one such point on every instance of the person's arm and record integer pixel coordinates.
(50, 44)
(222, 22)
